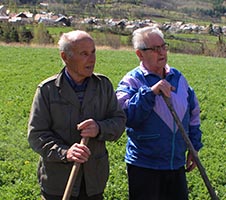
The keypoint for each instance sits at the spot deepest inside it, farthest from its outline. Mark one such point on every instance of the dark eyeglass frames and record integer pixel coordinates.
(157, 49)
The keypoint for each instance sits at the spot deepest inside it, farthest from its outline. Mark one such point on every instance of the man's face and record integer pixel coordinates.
(155, 57)
(82, 61)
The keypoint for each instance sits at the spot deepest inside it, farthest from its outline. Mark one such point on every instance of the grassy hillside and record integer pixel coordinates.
(130, 9)
(22, 68)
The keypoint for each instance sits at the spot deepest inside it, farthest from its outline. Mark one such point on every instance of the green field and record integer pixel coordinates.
(22, 68)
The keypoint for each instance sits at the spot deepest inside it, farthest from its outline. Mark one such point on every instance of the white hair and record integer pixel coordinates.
(139, 36)
(67, 39)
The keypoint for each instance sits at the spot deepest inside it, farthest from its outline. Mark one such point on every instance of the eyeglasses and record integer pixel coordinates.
(157, 49)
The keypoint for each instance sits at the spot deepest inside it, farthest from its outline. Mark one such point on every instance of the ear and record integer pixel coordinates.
(139, 54)
(63, 56)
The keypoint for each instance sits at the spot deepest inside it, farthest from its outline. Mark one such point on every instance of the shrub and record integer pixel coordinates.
(42, 35)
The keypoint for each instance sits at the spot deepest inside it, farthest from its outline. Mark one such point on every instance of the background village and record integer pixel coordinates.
(33, 28)
(52, 19)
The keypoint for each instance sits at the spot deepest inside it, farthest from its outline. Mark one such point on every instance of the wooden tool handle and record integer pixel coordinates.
(191, 148)
(73, 174)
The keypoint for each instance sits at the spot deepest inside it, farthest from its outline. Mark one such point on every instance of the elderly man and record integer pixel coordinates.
(155, 151)
(75, 96)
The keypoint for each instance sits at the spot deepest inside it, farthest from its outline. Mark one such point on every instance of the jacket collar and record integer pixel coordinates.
(67, 92)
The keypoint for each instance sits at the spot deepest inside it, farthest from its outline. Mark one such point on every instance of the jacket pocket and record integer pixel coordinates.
(139, 135)
(102, 167)
(97, 173)
(53, 176)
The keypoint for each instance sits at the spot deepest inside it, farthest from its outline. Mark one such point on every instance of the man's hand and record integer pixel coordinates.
(162, 87)
(190, 164)
(89, 128)
(78, 153)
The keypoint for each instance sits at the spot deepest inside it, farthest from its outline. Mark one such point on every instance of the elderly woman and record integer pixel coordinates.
(155, 151)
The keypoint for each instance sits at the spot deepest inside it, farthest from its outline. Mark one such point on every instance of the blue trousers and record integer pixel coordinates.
(149, 184)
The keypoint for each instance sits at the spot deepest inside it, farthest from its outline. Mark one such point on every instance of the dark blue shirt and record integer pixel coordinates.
(78, 88)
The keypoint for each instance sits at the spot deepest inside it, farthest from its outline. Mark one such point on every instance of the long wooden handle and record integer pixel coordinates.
(191, 148)
(73, 174)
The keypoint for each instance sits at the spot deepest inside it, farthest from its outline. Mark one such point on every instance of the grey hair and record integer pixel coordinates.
(66, 40)
(140, 35)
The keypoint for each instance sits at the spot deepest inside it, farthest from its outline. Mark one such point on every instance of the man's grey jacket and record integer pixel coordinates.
(55, 113)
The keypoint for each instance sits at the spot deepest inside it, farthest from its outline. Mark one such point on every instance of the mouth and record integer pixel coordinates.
(89, 67)
(161, 59)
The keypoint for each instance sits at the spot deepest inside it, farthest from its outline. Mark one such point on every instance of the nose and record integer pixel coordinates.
(162, 50)
(92, 57)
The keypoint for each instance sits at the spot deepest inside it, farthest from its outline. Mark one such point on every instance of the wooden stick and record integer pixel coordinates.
(191, 148)
(73, 174)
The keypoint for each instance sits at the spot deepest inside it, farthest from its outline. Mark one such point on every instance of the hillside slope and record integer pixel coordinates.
(198, 9)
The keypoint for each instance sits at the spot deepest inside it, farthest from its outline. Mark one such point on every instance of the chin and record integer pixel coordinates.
(89, 74)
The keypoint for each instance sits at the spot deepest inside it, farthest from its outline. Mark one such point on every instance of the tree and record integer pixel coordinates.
(13, 35)
(42, 35)
(25, 35)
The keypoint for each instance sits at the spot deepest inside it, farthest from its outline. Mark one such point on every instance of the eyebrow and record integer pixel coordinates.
(153, 48)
